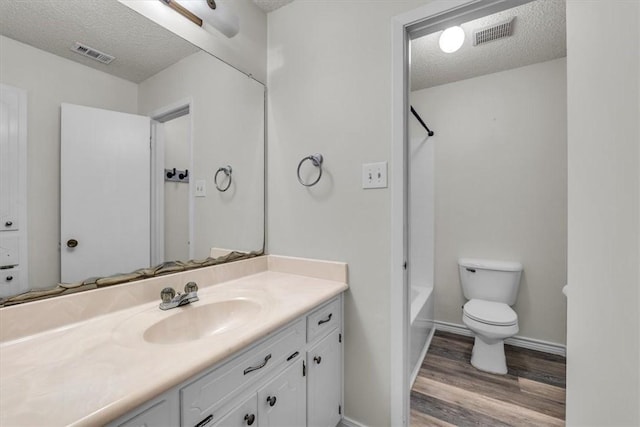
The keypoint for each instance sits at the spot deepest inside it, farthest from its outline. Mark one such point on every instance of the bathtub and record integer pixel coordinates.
(421, 327)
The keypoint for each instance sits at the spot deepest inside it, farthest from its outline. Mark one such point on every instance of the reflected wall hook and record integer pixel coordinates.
(174, 175)
(227, 173)
(316, 160)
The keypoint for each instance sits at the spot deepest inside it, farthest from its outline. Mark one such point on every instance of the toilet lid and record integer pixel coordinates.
(489, 312)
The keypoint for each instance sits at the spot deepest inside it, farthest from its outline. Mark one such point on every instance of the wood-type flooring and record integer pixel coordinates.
(450, 392)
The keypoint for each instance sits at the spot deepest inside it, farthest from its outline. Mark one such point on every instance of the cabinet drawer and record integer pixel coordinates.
(323, 320)
(9, 253)
(10, 283)
(200, 398)
(9, 276)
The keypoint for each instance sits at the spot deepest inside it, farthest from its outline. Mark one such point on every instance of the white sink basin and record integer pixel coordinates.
(194, 322)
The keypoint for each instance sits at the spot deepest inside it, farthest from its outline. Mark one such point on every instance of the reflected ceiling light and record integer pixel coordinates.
(451, 39)
(208, 14)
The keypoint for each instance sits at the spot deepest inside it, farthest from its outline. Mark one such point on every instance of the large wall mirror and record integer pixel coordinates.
(157, 156)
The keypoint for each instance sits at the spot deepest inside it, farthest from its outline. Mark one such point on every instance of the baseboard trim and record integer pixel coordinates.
(416, 368)
(517, 341)
(348, 422)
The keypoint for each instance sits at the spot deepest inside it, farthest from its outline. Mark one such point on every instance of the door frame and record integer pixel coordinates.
(429, 18)
(159, 117)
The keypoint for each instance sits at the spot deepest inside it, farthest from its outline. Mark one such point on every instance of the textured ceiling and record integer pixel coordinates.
(538, 35)
(142, 48)
(271, 5)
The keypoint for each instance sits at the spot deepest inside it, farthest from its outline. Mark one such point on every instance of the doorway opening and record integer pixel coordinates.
(418, 265)
(172, 188)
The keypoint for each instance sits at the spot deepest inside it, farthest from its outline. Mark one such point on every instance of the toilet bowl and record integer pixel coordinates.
(491, 323)
(491, 288)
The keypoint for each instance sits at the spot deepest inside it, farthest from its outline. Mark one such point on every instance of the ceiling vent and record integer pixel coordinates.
(92, 53)
(493, 32)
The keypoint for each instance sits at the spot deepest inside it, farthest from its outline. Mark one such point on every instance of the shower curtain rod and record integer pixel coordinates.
(417, 116)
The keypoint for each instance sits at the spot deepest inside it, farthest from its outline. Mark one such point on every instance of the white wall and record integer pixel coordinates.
(228, 129)
(51, 80)
(329, 92)
(246, 50)
(603, 336)
(501, 187)
(177, 154)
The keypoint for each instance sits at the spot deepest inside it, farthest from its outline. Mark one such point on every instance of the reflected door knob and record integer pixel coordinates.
(72, 243)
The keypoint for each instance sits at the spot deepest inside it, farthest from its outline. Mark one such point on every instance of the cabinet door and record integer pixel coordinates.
(282, 402)
(324, 381)
(246, 414)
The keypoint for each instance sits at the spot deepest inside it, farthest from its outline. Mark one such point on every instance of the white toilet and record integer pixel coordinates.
(491, 287)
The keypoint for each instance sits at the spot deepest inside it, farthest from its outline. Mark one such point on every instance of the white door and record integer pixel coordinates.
(324, 382)
(282, 402)
(105, 190)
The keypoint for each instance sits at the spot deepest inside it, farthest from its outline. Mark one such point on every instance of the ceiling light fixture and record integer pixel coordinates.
(207, 14)
(451, 39)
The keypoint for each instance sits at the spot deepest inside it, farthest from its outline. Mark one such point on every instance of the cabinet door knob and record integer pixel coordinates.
(8, 223)
(317, 359)
(72, 243)
(249, 419)
(271, 400)
(9, 278)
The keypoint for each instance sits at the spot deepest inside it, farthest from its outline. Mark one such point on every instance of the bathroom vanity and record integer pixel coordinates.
(262, 347)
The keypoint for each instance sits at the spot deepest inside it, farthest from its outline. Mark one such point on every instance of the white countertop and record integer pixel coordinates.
(95, 370)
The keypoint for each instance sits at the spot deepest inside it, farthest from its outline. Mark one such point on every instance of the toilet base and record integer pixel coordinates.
(488, 355)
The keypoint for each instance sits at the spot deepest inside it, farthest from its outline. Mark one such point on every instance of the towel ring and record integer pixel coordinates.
(227, 173)
(316, 160)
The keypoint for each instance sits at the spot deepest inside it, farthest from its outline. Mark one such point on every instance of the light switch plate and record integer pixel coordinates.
(374, 175)
(201, 188)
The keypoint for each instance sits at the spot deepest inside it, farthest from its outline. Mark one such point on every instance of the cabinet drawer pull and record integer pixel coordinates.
(205, 421)
(249, 419)
(292, 356)
(260, 366)
(320, 322)
(9, 278)
(271, 400)
(317, 359)
(8, 223)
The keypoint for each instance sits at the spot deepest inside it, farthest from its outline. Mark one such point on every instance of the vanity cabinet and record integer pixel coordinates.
(293, 377)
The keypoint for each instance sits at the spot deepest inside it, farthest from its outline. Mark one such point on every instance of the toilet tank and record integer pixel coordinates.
(490, 280)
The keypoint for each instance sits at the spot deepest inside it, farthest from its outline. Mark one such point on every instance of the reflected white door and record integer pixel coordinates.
(104, 192)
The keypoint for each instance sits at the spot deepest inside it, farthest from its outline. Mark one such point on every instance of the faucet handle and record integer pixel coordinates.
(167, 294)
(190, 287)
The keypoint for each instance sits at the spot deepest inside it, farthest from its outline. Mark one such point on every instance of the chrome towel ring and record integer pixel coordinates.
(316, 160)
(227, 173)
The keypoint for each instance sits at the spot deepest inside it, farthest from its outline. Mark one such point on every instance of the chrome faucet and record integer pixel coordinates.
(172, 300)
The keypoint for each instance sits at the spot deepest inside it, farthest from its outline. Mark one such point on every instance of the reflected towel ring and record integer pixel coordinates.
(316, 160)
(227, 173)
